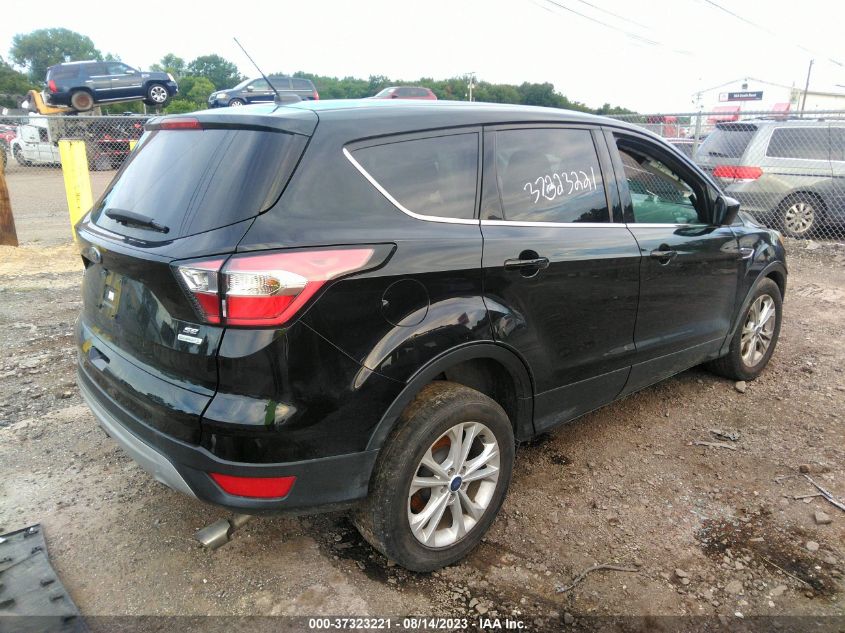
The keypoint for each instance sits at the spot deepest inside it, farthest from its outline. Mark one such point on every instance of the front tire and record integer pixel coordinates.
(18, 154)
(440, 478)
(236, 103)
(756, 336)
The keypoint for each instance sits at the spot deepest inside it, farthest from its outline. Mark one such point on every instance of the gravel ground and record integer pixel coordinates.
(39, 204)
(709, 530)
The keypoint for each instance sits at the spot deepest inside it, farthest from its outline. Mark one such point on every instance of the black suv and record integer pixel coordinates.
(259, 91)
(82, 85)
(369, 303)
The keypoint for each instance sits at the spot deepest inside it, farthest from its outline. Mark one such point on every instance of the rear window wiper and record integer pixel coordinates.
(127, 218)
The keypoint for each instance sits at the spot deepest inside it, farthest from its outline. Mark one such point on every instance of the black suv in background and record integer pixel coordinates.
(82, 85)
(259, 91)
(369, 303)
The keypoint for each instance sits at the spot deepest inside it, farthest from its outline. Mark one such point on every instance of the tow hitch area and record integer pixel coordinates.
(32, 598)
(220, 532)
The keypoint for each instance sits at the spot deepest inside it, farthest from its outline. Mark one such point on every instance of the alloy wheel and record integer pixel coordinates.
(453, 484)
(758, 330)
(158, 94)
(799, 217)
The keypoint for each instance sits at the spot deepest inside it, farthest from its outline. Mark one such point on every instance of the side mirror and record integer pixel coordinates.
(250, 88)
(725, 210)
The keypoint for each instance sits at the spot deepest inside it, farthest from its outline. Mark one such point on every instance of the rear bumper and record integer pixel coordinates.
(321, 484)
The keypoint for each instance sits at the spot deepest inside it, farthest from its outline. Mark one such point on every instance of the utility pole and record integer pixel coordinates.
(471, 82)
(806, 88)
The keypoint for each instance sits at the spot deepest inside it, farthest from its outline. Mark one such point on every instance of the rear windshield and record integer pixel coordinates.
(727, 141)
(192, 181)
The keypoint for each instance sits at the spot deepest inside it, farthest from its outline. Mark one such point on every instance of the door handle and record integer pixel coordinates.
(663, 253)
(537, 262)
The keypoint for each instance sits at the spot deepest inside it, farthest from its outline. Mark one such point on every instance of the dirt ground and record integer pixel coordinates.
(710, 530)
(39, 204)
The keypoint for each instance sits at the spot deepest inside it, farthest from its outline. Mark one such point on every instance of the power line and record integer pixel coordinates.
(605, 24)
(763, 28)
(613, 27)
(615, 15)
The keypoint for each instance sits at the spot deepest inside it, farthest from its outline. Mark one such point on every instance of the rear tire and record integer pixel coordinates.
(81, 100)
(800, 215)
(461, 433)
(756, 335)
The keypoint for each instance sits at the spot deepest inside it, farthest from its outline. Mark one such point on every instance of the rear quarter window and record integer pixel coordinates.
(301, 84)
(801, 143)
(435, 176)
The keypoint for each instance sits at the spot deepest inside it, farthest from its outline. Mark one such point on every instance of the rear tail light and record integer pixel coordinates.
(267, 289)
(200, 278)
(737, 172)
(255, 487)
(52, 86)
(315, 95)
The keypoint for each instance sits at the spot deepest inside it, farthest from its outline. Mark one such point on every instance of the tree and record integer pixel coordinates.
(221, 73)
(172, 64)
(42, 48)
(12, 85)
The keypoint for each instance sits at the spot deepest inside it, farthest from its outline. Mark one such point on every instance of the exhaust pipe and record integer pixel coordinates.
(220, 532)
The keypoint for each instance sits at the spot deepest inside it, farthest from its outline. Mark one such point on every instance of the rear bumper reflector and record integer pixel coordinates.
(254, 487)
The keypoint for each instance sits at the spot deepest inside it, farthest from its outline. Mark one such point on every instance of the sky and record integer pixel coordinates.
(647, 55)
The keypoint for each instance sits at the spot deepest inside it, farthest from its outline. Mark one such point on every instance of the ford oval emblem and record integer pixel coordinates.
(92, 254)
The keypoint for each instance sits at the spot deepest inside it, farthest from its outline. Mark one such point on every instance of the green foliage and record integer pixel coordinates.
(455, 89)
(172, 64)
(221, 73)
(13, 84)
(42, 48)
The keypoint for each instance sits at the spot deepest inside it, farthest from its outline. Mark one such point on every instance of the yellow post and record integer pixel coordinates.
(77, 180)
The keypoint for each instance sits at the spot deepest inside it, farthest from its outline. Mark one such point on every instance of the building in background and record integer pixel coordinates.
(733, 98)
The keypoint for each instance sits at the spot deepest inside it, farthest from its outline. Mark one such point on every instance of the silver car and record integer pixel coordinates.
(789, 174)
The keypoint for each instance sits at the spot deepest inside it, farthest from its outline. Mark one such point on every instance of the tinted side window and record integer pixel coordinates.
(837, 143)
(404, 92)
(280, 83)
(658, 194)
(430, 176)
(728, 140)
(94, 70)
(805, 143)
(550, 175)
(301, 84)
(260, 84)
(115, 68)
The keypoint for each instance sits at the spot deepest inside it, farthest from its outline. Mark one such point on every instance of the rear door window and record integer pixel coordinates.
(811, 143)
(435, 176)
(550, 175)
(301, 84)
(728, 140)
(192, 181)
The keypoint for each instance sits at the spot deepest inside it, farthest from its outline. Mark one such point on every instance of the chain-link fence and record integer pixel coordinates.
(29, 146)
(786, 169)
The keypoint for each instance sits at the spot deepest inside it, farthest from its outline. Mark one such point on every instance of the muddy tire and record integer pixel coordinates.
(81, 100)
(756, 335)
(440, 478)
